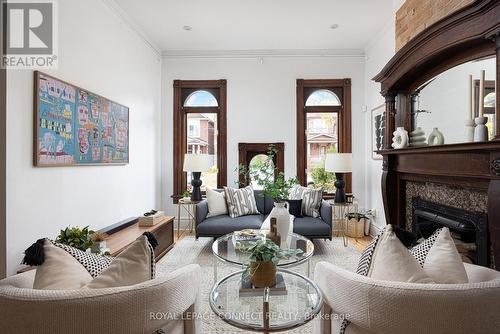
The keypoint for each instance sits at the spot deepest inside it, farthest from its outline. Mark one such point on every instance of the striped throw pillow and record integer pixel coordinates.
(311, 199)
(240, 202)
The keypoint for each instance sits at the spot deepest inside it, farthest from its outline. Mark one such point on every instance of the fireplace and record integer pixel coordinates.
(468, 229)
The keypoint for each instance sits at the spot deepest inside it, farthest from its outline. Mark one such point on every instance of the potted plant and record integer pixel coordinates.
(186, 196)
(274, 185)
(264, 257)
(99, 242)
(76, 237)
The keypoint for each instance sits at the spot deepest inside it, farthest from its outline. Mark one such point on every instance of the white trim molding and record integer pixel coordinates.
(255, 54)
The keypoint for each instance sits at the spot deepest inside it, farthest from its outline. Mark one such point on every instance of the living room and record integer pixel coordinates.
(304, 167)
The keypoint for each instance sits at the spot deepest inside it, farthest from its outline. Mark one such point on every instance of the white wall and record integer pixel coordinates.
(378, 52)
(102, 54)
(261, 105)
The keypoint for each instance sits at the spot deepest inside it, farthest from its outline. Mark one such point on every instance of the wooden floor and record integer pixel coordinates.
(359, 243)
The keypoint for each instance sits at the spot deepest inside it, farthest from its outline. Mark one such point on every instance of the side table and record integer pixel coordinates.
(188, 207)
(339, 217)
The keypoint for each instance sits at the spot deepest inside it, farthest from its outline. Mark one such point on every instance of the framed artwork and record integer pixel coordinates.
(378, 131)
(75, 127)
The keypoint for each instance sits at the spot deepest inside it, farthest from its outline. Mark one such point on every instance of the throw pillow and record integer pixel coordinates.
(421, 250)
(311, 199)
(134, 265)
(216, 203)
(392, 261)
(59, 268)
(443, 262)
(240, 202)
(295, 207)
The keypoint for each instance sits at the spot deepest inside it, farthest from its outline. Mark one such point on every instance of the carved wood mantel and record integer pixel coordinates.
(470, 33)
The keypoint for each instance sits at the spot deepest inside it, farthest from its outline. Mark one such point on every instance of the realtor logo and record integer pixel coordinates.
(29, 34)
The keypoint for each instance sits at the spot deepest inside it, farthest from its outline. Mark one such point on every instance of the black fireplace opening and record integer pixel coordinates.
(469, 229)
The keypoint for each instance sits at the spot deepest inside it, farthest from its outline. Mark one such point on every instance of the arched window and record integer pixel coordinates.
(199, 128)
(323, 126)
(322, 97)
(201, 98)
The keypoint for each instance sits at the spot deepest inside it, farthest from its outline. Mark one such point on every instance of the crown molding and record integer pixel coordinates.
(125, 18)
(255, 54)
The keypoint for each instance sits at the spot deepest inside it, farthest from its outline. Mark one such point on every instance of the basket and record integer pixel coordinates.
(355, 225)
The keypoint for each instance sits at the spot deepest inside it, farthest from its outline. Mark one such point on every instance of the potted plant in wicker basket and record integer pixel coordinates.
(264, 257)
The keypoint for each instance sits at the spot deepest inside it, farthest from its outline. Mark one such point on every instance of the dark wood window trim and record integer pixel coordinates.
(219, 89)
(249, 150)
(341, 87)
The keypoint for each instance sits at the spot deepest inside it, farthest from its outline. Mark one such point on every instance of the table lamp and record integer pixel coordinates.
(196, 164)
(339, 163)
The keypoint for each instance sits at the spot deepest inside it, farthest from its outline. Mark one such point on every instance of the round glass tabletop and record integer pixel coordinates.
(292, 303)
(226, 249)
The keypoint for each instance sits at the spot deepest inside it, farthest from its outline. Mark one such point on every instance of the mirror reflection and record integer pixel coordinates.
(448, 104)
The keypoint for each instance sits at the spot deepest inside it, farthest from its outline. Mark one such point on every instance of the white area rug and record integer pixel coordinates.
(189, 250)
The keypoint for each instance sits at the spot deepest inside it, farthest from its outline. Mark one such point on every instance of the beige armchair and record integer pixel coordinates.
(383, 307)
(167, 303)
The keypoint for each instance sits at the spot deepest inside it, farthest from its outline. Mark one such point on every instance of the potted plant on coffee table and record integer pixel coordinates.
(264, 257)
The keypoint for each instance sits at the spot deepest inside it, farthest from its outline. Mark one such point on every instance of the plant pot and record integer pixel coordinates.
(263, 274)
(186, 199)
(98, 247)
(280, 212)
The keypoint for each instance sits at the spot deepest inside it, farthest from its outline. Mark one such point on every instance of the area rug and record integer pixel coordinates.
(188, 250)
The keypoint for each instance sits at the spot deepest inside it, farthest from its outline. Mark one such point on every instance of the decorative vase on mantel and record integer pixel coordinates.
(436, 138)
(280, 212)
(400, 138)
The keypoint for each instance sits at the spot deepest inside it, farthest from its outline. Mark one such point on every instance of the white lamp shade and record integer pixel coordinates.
(338, 162)
(196, 162)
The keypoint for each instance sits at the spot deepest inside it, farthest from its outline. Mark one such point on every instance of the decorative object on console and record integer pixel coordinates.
(76, 237)
(273, 232)
(186, 196)
(417, 138)
(74, 127)
(435, 138)
(99, 242)
(196, 164)
(400, 138)
(339, 163)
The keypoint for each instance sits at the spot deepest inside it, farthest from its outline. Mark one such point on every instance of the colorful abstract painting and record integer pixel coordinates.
(76, 127)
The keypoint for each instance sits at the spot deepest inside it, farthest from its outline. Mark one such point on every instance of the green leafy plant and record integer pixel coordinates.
(264, 250)
(186, 193)
(263, 173)
(76, 237)
(322, 178)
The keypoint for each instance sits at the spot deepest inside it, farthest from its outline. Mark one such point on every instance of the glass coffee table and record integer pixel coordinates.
(225, 250)
(266, 310)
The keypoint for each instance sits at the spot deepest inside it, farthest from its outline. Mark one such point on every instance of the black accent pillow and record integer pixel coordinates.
(295, 207)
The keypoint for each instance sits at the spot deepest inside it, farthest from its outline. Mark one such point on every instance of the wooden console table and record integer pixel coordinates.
(163, 232)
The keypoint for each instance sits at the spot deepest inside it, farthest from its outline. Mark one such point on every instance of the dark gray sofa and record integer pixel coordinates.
(312, 228)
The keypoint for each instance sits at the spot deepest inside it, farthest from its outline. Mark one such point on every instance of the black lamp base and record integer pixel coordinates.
(340, 188)
(196, 183)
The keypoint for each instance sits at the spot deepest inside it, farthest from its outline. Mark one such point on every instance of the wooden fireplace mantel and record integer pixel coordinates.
(470, 33)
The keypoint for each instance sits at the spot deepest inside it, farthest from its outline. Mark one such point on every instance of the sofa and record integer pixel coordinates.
(312, 228)
(385, 307)
(167, 304)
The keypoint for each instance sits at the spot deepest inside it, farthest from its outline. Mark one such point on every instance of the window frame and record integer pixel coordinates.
(342, 88)
(247, 151)
(182, 89)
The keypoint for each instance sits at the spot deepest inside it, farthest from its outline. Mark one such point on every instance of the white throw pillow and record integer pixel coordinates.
(392, 261)
(216, 203)
(241, 202)
(443, 262)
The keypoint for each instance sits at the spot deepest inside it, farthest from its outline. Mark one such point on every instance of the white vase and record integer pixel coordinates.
(418, 138)
(469, 130)
(435, 138)
(280, 212)
(400, 138)
(481, 131)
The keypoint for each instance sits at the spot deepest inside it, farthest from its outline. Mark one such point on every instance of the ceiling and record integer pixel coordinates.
(256, 24)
